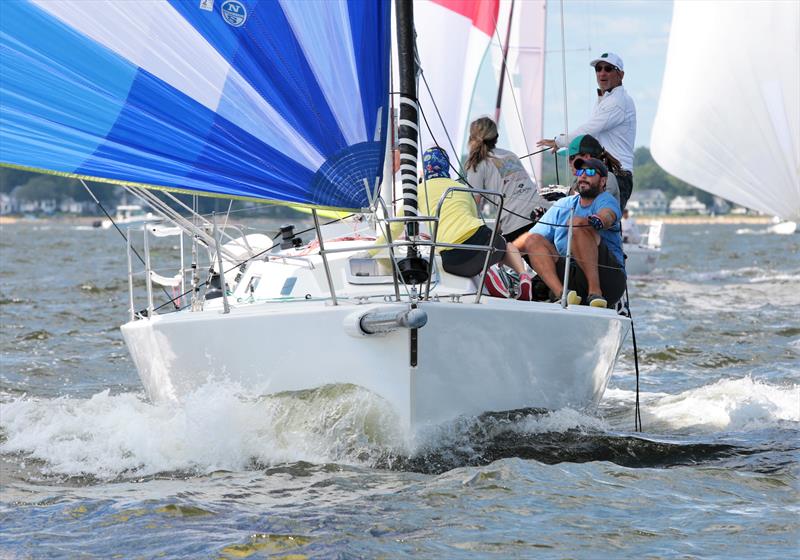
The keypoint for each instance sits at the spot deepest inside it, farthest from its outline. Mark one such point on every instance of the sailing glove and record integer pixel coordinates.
(595, 222)
(537, 213)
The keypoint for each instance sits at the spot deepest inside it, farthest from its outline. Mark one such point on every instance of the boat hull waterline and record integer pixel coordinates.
(494, 356)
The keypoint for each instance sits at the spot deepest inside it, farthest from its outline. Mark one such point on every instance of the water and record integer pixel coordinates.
(91, 469)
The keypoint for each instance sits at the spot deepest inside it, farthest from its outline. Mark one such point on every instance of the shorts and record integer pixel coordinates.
(612, 276)
(511, 236)
(469, 262)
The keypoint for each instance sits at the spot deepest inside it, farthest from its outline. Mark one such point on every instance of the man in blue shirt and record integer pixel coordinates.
(599, 277)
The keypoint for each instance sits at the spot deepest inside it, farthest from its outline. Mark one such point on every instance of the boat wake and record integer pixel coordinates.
(123, 437)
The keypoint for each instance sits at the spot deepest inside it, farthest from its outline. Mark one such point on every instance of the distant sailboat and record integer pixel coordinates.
(728, 119)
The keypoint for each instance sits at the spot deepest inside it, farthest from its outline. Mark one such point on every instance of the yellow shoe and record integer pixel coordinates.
(573, 298)
(597, 301)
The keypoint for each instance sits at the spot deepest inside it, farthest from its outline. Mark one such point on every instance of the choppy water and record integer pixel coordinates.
(90, 469)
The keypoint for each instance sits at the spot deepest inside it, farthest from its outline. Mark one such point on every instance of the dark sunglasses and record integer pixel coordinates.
(604, 68)
(588, 172)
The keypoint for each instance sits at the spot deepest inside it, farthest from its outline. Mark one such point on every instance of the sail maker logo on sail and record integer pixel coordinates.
(233, 13)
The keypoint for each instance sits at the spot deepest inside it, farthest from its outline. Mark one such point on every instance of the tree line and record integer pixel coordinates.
(29, 186)
(647, 174)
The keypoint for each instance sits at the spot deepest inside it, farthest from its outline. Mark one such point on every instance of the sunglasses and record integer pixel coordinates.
(604, 68)
(588, 172)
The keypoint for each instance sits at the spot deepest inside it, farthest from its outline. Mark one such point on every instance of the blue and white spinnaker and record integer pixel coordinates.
(257, 99)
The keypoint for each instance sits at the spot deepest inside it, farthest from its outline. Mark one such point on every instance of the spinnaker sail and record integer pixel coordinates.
(278, 100)
(728, 119)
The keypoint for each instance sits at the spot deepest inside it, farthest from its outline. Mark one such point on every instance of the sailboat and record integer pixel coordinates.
(728, 119)
(275, 102)
(641, 256)
(128, 214)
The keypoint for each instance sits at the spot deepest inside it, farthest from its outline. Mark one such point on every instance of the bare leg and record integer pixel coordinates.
(584, 248)
(514, 259)
(543, 257)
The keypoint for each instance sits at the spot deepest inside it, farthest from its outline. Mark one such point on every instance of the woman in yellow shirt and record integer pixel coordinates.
(459, 223)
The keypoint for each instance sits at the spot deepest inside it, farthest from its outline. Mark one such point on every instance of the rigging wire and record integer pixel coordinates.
(513, 95)
(125, 237)
(240, 263)
(637, 414)
(464, 180)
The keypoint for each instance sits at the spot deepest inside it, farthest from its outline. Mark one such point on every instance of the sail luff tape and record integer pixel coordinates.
(406, 122)
(409, 142)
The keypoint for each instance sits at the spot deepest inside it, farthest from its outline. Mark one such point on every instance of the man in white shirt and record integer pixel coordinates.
(630, 230)
(612, 122)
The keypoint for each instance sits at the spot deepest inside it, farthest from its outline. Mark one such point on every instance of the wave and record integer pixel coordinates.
(750, 231)
(216, 428)
(219, 428)
(751, 274)
(729, 405)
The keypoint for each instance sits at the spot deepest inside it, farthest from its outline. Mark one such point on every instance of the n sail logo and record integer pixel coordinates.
(233, 12)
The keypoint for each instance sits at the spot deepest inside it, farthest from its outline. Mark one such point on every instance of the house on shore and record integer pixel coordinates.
(687, 205)
(650, 201)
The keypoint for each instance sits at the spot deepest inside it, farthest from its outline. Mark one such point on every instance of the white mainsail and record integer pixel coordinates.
(728, 119)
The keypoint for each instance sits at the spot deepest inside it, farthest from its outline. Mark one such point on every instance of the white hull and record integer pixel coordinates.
(493, 356)
(642, 257)
(641, 260)
(783, 228)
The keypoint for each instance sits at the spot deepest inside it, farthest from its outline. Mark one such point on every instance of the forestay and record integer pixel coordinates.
(728, 119)
(281, 100)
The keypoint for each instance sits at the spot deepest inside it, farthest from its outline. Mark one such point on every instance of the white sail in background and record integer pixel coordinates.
(728, 119)
(452, 41)
(522, 109)
(460, 47)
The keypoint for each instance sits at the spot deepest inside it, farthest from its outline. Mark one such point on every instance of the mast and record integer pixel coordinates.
(499, 102)
(412, 268)
(408, 130)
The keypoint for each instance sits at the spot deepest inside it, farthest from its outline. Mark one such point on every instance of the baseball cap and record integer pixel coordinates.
(592, 163)
(585, 144)
(611, 58)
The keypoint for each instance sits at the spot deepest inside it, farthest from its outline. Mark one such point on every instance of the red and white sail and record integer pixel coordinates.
(461, 44)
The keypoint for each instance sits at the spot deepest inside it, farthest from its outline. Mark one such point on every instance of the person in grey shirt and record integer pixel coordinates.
(492, 168)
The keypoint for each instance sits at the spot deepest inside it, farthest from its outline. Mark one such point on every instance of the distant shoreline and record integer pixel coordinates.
(77, 220)
(642, 219)
(724, 219)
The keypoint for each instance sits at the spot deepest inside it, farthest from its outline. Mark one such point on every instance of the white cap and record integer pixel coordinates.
(609, 57)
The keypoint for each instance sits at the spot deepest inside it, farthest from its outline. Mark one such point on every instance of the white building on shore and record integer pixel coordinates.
(687, 205)
(650, 201)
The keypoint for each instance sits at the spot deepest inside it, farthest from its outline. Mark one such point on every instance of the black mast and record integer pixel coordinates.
(499, 102)
(413, 269)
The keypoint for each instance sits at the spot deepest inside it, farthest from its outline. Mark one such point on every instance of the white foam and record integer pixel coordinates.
(729, 404)
(560, 421)
(214, 429)
(750, 231)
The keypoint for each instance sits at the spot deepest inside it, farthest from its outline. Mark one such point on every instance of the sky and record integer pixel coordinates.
(636, 30)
